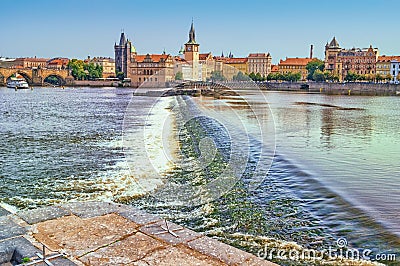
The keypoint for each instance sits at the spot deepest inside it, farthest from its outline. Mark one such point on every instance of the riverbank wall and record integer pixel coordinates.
(349, 88)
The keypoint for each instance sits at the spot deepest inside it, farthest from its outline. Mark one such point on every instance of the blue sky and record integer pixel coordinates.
(78, 28)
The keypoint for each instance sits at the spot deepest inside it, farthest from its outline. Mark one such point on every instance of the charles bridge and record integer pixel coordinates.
(36, 76)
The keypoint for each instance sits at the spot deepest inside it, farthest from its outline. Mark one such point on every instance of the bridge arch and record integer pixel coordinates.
(26, 76)
(54, 79)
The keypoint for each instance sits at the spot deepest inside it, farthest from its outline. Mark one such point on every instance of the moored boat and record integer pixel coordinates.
(17, 83)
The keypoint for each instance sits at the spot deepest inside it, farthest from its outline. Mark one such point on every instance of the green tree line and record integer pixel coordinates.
(85, 71)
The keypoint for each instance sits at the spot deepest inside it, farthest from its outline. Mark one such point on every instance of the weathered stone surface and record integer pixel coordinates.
(255, 261)
(78, 236)
(124, 252)
(139, 216)
(42, 214)
(184, 234)
(178, 256)
(8, 228)
(16, 248)
(221, 251)
(3, 212)
(93, 208)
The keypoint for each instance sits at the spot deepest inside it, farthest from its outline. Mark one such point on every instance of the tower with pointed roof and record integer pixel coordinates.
(192, 53)
(123, 51)
(332, 62)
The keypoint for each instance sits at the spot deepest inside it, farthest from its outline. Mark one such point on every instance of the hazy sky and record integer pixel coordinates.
(78, 28)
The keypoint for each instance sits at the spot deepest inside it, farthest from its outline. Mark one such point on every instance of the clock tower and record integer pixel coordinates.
(192, 53)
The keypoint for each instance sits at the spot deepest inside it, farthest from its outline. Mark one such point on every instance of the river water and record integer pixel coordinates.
(334, 171)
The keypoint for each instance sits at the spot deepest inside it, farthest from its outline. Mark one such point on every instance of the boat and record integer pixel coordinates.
(17, 83)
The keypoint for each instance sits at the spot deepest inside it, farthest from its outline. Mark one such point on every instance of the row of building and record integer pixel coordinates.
(190, 63)
(107, 63)
(193, 65)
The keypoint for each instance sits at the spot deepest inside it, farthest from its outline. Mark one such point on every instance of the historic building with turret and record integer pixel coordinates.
(341, 61)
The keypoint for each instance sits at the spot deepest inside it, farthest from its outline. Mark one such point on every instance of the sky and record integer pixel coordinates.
(284, 28)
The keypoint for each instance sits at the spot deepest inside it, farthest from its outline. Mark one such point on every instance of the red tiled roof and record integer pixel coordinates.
(155, 58)
(204, 56)
(61, 61)
(220, 58)
(242, 60)
(385, 58)
(259, 55)
(295, 61)
(274, 68)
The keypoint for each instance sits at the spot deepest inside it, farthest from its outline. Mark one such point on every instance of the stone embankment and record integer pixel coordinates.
(99, 233)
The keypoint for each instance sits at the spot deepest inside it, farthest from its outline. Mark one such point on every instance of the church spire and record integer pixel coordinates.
(192, 37)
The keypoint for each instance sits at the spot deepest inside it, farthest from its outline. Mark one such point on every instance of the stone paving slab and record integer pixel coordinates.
(78, 236)
(184, 234)
(9, 228)
(221, 251)
(140, 217)
(3, 212)
(18, 248)
(178, 256)
(124, 252)
(93, 208)
(42, 214)
(99, 233)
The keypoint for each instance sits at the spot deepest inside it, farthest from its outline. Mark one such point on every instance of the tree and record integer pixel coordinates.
(351, 76)
(217, 76)
(313, 66)
(240, 77)
(379, 77)
(319, 76)
(77, 69)
(388, 77)
(179, 75)
(120, 75)
(81, 70)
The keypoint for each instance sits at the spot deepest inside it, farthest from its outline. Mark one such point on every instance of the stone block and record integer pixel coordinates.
(42, 214)
(178, 256)
(123, 252)
(77, 236)
(93, 208)
(9, 228)
(184, 234)
(221, 251)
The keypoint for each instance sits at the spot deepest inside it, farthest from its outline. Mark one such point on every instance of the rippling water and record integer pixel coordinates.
(335, 172)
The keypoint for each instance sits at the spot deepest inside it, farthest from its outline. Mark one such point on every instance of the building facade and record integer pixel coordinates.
(294, 65)
(395, 70)
(154, 69)
(341, 61)
(31, 62)
(259, 63)
(108, 65)
(383, 66)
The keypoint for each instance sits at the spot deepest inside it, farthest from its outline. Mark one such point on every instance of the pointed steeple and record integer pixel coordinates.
(334, 43)
(122, 40)
(222, 54)
(192, 37)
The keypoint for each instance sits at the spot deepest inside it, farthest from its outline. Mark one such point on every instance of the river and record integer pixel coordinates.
(334, 161)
